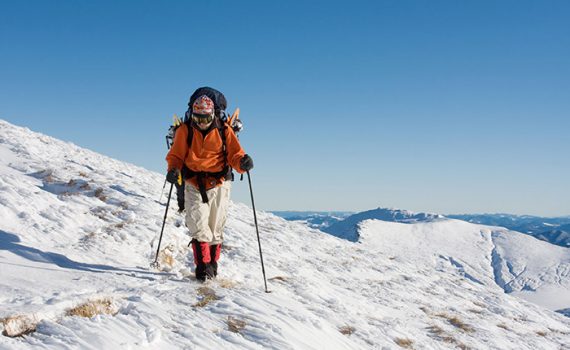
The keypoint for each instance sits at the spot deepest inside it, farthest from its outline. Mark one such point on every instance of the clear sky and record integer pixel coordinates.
(443, 106)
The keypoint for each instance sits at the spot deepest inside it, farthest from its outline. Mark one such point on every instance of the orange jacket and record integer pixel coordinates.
(205, 154)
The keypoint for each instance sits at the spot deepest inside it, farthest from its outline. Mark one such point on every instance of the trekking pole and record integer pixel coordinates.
(155, 264)
(257, 230)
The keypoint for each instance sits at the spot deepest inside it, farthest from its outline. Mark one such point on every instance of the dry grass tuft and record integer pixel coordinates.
(100, 212)
(346, 330)
(235, 325)
(436, 330)
(503, 326)
(278, 278)
(92, 308)
(439, 334)
(456, 322)
(208, 295)
(166, 257)
(404, 342)
(205, 300)
(19, 325)
(88, 237)
(205, 291)
(99, 194)
(226, 283)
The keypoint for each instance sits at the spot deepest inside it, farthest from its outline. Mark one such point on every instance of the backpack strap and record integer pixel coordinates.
(222, 130)
(190, 132)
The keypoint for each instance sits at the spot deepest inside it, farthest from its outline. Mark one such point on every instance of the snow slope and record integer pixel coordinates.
(553, 230)
(77, 226)
(348, 228)
(518, 263)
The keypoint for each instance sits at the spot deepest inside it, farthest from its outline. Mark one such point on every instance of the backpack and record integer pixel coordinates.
(220, 105)
(220, 102)
(222, 122)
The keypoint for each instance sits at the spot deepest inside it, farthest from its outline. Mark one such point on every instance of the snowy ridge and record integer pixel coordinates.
(519, 264)
(76, 226)
(557, 235)
(553, 230)
(348, 228)
(318, 220)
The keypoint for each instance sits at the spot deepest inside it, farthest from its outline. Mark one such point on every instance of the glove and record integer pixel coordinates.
(172, 176)
(246, 163)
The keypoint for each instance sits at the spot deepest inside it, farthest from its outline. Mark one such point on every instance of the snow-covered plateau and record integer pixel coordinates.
(78, 231)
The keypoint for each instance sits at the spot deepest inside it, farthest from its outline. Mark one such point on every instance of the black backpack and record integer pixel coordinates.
(220, 102)
(220, 105)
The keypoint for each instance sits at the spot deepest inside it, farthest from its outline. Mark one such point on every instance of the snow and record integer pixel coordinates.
(494, 256)
(76, 226)
(348, 228)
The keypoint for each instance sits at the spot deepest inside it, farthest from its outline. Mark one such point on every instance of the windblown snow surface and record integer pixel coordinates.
(78, 227)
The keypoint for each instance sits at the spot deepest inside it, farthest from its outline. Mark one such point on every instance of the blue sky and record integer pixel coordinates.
(443, 106)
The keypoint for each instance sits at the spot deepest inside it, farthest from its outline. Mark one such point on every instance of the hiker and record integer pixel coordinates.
(204, 151)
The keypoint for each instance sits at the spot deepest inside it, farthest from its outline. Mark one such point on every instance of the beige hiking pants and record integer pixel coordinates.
(206, 221)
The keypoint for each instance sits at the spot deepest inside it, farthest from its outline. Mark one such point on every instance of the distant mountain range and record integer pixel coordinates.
(314, 219)
(343, 224)
(553, 230)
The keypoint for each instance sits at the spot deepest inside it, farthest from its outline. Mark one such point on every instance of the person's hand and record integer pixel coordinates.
(172, 176)
(246, 163)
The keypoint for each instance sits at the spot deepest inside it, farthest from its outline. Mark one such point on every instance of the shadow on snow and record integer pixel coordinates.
(10, 242)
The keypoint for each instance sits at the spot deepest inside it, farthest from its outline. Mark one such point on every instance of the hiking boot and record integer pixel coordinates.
(209, 271)
(204, 272)
(201, 272)
(215, 250)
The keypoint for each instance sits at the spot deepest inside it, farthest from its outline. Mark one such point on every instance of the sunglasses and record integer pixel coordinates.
(202, 118)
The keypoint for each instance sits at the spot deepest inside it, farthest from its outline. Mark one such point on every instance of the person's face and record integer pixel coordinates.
(203, 121)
